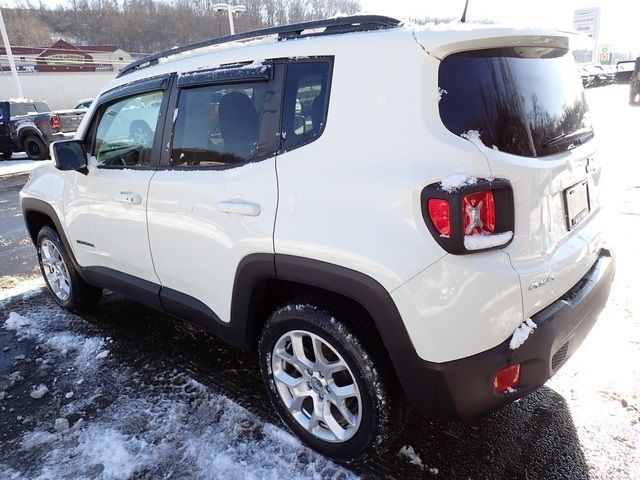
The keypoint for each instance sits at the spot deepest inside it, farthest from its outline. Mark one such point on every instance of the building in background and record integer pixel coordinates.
(63, 56)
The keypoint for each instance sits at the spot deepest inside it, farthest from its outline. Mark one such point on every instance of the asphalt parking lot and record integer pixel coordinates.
(163, 402)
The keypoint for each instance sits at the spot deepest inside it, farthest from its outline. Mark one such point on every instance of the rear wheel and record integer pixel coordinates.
(330, 389)
(64, 283)
(35, 148)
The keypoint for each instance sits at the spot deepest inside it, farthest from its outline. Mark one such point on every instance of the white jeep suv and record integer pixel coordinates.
(391, 216)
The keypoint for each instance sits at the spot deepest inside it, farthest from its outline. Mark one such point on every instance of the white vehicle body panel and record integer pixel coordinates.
(196, 243)
(96, 213)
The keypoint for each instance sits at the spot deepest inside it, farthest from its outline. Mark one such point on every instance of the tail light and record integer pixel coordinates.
(439, 214)
(507, 378)
(474, 217)
(479, 213)
(55, 121)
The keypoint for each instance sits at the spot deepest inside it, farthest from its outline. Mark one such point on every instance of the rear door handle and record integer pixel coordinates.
(132, 198)
(239, 207)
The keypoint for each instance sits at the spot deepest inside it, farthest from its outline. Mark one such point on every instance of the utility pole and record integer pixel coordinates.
(230, 9)
(12, 64)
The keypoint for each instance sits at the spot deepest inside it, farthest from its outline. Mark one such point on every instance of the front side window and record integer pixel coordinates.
(220, 125)
(126, 131)
(305, 102)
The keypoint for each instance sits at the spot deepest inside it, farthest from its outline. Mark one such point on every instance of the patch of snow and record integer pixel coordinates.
(479, 241)
(102, 354)
(409, 453)
(68, 395)
(441, 91)
(20, 166)
(61, 424)
(39, 392)
(175, 114)
(16, 322)
(37, 438)
(474, 137)
(522, 333)
(511, 390)
(22, 288)
(453, 183)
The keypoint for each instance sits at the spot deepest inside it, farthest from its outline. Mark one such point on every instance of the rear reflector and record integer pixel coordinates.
(439, 214)
(479, 213)
(507, 378)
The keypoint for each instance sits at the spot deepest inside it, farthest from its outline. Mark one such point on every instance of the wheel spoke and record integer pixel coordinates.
(298, 350)
(287, 379)
(344, 392)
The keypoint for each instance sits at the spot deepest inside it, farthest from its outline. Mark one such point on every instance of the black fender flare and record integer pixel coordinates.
(361, 288)
(30, 205)
(28, 128)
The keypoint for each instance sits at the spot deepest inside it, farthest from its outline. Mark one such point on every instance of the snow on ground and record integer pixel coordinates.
(186, 429)
(19, 164)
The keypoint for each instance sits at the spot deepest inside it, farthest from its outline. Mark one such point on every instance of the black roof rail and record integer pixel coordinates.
(355, 23)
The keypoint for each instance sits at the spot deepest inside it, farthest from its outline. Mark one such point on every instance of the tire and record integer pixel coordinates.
(5, 155)
(376, 411)
(64, 283)
(35, 148)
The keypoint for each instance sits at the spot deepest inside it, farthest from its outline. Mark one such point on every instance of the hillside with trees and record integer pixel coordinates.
(142, 26)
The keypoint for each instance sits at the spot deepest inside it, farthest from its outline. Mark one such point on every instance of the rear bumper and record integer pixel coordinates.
(464, 388)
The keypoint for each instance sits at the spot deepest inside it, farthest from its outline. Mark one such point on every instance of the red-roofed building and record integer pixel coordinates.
(63, 56)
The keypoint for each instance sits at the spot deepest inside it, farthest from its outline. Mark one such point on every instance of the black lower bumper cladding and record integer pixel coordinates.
(463, 388)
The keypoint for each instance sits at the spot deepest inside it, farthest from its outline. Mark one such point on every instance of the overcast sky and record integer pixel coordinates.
(619, 22)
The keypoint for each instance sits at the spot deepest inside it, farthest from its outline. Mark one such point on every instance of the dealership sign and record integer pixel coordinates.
(587, 21)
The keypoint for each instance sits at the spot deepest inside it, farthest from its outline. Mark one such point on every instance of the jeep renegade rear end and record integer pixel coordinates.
(415, 223)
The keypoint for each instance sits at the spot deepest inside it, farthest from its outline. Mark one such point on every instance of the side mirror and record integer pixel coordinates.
(69, 155)
(5, 112)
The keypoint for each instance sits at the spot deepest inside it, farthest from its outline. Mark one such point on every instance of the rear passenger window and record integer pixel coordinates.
(220, 125)
(305, 102)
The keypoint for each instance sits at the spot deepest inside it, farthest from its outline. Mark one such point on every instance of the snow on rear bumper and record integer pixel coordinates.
(464, 388)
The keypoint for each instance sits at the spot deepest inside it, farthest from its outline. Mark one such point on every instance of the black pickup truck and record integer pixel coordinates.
(31, 126)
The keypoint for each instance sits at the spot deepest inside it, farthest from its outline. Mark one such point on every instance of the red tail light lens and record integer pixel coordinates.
(507, 378)
(55, 121)
(479, 213)
(439, 214)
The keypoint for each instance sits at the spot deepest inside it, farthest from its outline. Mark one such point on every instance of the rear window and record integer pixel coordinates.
(524, 100)
(29, 108)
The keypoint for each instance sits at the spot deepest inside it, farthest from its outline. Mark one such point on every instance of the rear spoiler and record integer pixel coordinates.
(444, 39)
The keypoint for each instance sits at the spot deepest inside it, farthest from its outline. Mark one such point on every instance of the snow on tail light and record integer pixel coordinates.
(507, 378)
(439, 214)
(479, 213)
(55, 121)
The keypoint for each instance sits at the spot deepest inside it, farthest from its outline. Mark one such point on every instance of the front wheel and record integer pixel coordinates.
(333, 392)
(35, 148)
(64, 283)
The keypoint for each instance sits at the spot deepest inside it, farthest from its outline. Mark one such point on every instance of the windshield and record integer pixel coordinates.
(29, 108)
(518, 99)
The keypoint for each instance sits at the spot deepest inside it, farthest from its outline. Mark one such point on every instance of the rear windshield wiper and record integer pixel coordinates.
(581, 134)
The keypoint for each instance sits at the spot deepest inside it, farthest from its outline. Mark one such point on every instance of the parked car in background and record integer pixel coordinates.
(624, 70)
(596, 75)
(83, 104)
(30, 126)
(634, 82)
